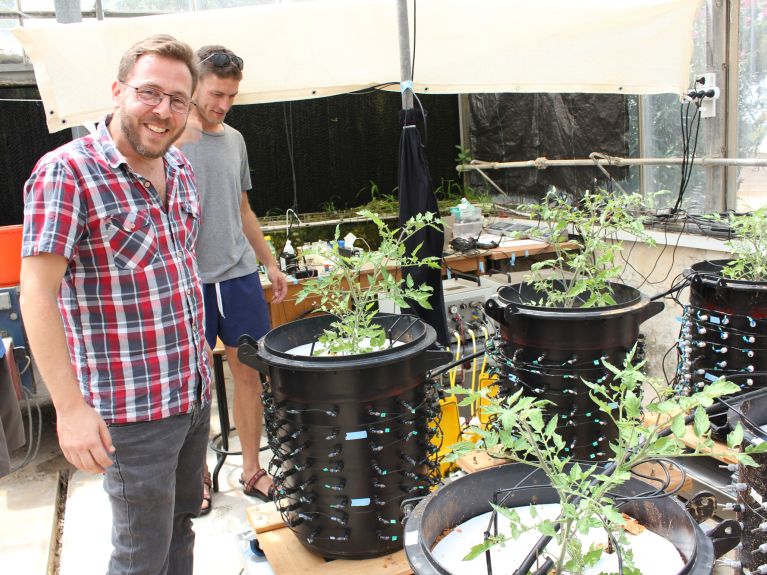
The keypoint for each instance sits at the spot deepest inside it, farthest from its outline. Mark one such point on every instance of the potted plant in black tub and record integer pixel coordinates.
(724, 327)
(547, 513)
(558, 328)
(349, 401)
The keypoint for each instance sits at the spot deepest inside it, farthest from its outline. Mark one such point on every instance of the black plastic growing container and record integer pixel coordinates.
(548, 351)
(470, 496)
(724, 331)
(350, 434)
(750, 410)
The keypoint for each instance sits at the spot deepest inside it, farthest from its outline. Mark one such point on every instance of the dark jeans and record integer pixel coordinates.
(155, 488)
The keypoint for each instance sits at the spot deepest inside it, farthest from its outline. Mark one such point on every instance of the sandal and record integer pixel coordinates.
(249, 487)
(207, 484)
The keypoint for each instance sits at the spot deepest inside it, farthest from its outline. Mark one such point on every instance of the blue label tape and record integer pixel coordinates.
(360, 502)
(352, 435)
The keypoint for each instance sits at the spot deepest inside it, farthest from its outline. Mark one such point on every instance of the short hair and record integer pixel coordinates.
(207, 67)
(160, 45)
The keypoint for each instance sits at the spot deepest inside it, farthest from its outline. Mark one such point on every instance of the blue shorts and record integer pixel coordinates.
(241, 309)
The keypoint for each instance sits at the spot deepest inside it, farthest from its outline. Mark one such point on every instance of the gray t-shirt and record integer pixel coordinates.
(220, 163)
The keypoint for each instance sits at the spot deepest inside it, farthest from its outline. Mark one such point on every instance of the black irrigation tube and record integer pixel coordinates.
(452, 364)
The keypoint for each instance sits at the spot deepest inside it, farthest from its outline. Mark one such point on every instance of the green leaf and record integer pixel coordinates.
(486, 545)
(719, 388)
(613, 515)
(678, 427)
(510, 514)
(536, 420)
(662, 407)
(735, 437)
(746, 459)
(547, 528)
(551, 426)
(758, 448)
(592, 556)
(701, 424)
(632, 404)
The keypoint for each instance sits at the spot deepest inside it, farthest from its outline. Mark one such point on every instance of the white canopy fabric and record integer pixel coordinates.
(305, 50)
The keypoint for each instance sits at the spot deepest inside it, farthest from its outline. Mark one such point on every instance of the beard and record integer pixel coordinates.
(129, 126)
(209, 118)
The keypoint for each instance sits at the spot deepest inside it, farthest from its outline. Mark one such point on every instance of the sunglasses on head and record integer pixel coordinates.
(222, 59)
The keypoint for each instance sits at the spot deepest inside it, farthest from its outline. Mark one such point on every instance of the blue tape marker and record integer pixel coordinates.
(527, 253)
(715, 319)
(679, 319)
(360, 502)
(481, 267)
(406, 85)
(710, 377)
(352, 435)
(513, 259)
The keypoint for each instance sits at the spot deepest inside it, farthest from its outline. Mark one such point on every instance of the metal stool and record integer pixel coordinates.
(220, 443)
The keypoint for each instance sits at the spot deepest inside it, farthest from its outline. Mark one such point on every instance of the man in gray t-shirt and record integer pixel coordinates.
(229, 247)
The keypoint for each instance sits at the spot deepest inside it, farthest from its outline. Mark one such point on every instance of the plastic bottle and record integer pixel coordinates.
(349, 240)
(270, 245)
(288, 256)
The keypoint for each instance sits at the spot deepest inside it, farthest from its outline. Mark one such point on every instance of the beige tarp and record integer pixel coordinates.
(311, 49)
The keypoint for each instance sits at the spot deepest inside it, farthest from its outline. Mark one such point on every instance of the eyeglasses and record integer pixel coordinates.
(153, 97)
(222, 59)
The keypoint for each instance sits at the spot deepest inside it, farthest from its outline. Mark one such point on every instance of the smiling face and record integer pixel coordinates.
(143, 131)
(213, 98)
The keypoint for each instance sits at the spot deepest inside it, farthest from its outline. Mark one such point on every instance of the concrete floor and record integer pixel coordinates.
(32, 543)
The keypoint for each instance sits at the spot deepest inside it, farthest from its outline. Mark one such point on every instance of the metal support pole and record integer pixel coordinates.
(405, 65)
(68, 12)
(543, 163)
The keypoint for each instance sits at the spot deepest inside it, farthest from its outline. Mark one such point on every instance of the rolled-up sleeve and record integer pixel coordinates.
(53, 213)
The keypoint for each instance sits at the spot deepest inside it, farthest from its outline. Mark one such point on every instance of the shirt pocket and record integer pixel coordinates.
(132, 239)
(190, 212)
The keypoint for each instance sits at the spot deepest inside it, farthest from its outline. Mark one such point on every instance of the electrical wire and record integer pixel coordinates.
(454, 372)
(689, 145)
(33, 440)
(473, 369)
(482, 372)
(287, 112)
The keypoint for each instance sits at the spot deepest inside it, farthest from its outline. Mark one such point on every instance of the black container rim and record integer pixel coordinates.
(710, 272)
(630, 296)
(632, 300)
(418, 549)
(421, 339)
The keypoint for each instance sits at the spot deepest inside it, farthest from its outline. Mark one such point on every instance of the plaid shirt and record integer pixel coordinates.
(130, 299)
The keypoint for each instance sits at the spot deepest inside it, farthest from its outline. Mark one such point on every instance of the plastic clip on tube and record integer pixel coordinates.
(762, 527)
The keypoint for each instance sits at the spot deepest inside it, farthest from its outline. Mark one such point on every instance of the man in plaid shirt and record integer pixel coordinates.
(112, 306)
